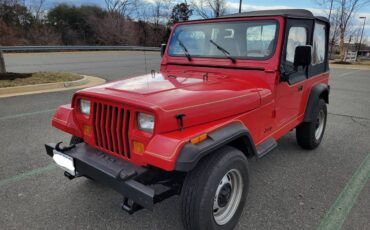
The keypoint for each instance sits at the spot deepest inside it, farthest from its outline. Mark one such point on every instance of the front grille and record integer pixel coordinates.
(111, 125)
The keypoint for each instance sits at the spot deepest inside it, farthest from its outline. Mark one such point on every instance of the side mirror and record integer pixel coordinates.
(163, 49)
(302, 56)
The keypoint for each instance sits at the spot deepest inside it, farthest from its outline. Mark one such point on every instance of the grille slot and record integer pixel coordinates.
(111, 126)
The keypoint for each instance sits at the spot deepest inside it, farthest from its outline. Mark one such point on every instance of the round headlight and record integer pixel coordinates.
(85, 107)
(145, 122)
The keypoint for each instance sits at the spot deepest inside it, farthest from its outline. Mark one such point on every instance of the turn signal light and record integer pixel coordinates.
(138, 147)
(198, 139)
(87, 130)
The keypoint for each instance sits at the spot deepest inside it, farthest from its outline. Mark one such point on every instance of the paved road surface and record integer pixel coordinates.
(290, 188)
(110, 65)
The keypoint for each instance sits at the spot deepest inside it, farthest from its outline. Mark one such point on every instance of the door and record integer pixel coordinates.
(290, 88)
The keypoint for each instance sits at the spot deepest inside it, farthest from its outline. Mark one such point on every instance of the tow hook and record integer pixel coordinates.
(130, 206)
(64, 148)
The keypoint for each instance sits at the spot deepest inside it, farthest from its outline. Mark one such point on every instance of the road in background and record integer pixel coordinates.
(109, 65)
(290, 188)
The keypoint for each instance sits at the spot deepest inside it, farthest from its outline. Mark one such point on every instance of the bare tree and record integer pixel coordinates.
(113, 29)
(346, 10)
(341, 13)
(325, 4)
(160, 11)
(209, 8)
(333, 19)
(11, 2)
(334, 31)
(37, 8)
(123, 7)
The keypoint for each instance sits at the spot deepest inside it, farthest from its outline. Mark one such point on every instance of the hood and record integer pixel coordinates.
(199, 96)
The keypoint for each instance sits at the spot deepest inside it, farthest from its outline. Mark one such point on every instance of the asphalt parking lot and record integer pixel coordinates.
(290, 188)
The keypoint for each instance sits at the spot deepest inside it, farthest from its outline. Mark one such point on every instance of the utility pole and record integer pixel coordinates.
(362, 33)
(2, 62)
(331, 44)
(347, 49)
(240, 6)
(331, 8)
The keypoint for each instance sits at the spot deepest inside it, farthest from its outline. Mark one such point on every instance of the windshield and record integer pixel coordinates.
(241, 40)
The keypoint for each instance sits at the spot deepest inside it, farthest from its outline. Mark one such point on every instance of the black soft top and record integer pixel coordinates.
(288, 13)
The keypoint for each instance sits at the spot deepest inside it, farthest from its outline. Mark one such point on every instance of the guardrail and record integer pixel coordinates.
(20, 49)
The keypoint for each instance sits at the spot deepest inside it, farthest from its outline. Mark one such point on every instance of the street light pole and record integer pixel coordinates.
(362, 33)
(240, 6)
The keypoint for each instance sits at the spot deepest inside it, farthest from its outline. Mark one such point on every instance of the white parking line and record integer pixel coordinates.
(348, 73)
(337, 214)
(26, 114)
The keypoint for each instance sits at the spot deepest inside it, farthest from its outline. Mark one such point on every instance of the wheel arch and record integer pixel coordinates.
(319, 91)
(244, 144)
(235, 135)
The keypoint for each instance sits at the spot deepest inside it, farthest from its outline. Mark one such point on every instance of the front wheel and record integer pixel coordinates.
(310, 134)
(214, 193)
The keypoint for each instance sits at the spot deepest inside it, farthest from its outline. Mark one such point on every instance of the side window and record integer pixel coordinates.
(297, 37)
(319, 41)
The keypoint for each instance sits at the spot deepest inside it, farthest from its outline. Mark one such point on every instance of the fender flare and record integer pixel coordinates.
(317, 92)
(191, 154)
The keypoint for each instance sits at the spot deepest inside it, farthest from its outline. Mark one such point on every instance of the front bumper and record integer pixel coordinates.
(108, 170)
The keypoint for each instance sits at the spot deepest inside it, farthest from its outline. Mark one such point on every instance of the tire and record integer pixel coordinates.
(310, 134)
(224, 172)
(76, 140)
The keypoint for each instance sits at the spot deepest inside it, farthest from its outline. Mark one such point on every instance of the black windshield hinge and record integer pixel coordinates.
(205, 77)
(152, 72)
(180, 119)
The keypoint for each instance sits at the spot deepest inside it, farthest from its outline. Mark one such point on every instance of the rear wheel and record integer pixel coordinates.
(214, 193)
(310, 134)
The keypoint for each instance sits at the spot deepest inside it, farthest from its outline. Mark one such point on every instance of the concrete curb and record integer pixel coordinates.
(339, 66)
(86, 81)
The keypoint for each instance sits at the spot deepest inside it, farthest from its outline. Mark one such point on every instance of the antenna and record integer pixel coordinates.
(146, 67)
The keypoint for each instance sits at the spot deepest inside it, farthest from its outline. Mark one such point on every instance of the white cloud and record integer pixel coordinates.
(250, 7)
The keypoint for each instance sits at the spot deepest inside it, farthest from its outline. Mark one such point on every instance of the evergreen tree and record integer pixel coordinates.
(180, 12)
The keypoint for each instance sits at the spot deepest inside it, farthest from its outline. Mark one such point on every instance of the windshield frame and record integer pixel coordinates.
(238, 20)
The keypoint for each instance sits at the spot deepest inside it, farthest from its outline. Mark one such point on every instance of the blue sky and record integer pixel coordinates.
(249, 5)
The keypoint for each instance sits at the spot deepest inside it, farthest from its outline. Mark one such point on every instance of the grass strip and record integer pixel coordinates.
(22, 79)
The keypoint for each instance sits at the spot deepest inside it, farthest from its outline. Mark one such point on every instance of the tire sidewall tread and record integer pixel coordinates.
(201, 184)
(305, 132)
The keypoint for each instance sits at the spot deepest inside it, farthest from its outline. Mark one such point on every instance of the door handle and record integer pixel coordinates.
(300, 88)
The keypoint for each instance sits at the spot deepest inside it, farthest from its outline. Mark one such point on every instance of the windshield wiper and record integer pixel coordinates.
(185, 49)
(227, 54)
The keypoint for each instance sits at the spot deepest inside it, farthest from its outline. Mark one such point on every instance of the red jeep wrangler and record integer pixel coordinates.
(227, 90)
